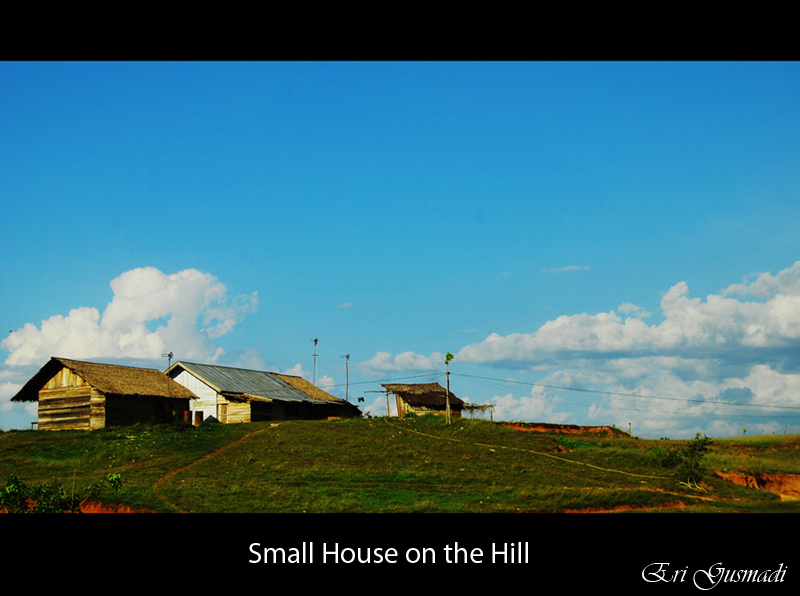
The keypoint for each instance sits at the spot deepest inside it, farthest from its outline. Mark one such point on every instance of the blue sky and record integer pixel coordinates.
(597, 243)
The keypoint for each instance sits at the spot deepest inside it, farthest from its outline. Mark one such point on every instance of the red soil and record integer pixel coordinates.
(101, 508)
(543, 427)
(786, 485)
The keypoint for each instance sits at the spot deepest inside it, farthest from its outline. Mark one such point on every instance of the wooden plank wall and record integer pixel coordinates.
(97, 415)
(231, 412)
(67, 402)
(404, 409)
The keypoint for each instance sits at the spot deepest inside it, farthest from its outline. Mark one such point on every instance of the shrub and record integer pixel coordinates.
(686, 461)
(17, 497)
(690, 468)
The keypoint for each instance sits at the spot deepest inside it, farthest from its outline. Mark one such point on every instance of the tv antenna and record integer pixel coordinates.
(169, 365)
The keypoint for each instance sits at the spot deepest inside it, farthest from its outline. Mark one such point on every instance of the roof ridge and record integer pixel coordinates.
(61, 359)
(268, 372)
(110, 379)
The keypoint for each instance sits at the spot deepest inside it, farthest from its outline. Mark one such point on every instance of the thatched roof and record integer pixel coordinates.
(309, 389)
(428, 395)
(109, 379)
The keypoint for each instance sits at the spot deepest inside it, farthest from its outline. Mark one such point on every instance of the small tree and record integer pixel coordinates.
(689, 469)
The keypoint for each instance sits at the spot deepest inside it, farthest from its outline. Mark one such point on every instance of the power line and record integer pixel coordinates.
(794, 410)
(432, 375)
(632, 395)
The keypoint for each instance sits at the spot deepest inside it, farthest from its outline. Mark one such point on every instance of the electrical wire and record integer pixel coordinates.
(633, 395)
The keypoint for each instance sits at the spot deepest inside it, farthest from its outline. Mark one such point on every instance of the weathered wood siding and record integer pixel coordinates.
(404, 408)
(231, 412)
(68, 402)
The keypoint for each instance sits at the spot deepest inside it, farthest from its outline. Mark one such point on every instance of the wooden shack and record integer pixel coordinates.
(423, 398)
(86, 395)
(240, 395)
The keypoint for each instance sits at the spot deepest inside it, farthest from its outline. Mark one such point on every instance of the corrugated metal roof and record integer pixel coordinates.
(258, 383)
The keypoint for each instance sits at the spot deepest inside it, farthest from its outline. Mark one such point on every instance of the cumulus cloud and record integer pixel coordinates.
(534, 406)
(383, 363)
(718, 325)
(149, 314)
(765, 284)
(324, 382)
(327, 383)
(632, 310)
(251, 359)
(8, 388)
(297, 371)
(711, 360)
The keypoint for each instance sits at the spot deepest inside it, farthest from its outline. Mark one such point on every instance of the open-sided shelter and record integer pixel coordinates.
(423, 398)
(240, 395)
(87, 395)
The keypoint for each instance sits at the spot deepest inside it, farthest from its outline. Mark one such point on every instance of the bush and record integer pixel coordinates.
(686, 462)
(690, 468)
(17, 497)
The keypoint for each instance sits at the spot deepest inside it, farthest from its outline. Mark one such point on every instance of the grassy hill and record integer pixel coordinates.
(415, 464)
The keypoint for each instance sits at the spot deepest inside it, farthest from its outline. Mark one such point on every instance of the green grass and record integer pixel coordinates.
(416, 464)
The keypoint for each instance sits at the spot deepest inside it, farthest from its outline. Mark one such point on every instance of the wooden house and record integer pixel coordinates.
(87, 396)
(240, 395)
(423, 398)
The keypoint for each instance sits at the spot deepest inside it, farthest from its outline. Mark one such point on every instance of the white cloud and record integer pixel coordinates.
(327, 383)
(535, 406)
(566, 269)
(7, 390)
(323, 382)
(376, 408)
(765, 284)
(702, 357)
(632, 310)
(383, 363)
(297, 371)
(149, 314)
(690, 327)
(251, 359)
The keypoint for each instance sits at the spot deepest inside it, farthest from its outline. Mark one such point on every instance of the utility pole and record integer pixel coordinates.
(169, 365)
(387, 400)
(347, 377)
(447, 360)
(314, 370)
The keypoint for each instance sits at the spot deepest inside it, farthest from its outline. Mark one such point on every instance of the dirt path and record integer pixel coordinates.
(222, 449)
(101, 508)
